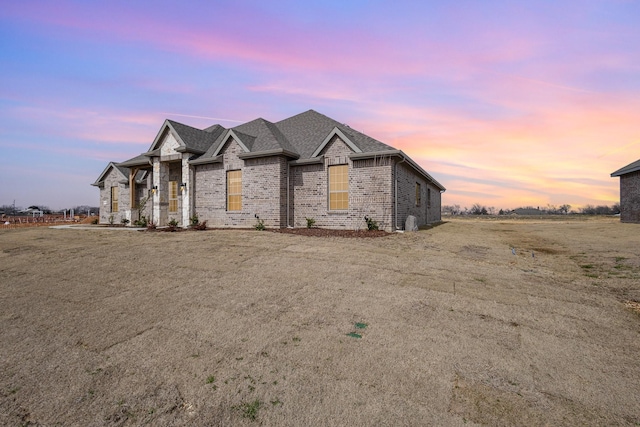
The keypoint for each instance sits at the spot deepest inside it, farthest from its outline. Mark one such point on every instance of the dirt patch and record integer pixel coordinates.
(633, 306)
(310, 232)
(324, 232)
(445, 326)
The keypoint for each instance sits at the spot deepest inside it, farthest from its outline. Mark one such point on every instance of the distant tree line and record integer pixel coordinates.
(19, 210)
(479, 209)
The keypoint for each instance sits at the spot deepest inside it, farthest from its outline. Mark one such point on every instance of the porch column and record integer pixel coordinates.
(186, 191)
(160, 198)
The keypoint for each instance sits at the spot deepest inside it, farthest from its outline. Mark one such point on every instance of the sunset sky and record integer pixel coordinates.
(506, 104)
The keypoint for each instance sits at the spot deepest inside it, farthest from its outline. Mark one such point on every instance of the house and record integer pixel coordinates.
(526, 211)
(305, 166)
(629, 192)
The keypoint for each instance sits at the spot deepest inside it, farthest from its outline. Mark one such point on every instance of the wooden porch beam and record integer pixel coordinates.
(132, 187)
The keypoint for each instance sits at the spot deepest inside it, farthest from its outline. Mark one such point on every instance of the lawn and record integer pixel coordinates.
(476, 321)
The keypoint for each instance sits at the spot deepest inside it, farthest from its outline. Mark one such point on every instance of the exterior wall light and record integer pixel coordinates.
(154, 189)
(183, 187)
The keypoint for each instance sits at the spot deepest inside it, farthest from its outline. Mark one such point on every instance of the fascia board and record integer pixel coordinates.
(630, 168)
(314, 160)
(201, 161)
(267, 153)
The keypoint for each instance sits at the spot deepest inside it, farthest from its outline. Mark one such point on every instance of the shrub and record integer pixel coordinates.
(173, 222)
(259, 225)
(372, 224)
(111, 219)
(124, 221)
(310, 222)
(142, 222)
(200, 226)
(194, 220)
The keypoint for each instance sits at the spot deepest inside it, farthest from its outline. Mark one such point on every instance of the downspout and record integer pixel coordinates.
(395, 174)
(288, 171)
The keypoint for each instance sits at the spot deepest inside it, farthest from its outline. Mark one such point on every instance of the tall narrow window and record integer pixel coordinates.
(428, 197)
(114, 199)
(173, 196)
(338, 187)
(234, 190)
(418, 194)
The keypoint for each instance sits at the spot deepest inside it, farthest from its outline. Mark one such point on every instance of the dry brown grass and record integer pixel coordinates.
(102, 327)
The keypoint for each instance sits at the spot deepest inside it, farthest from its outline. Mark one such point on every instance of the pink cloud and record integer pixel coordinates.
(98, 126)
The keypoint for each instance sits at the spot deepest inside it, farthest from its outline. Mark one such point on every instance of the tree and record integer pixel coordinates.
(478, 209)
(600, 210)
(451, 210)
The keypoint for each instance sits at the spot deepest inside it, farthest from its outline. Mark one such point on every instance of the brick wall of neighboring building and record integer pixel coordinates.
(630, 197)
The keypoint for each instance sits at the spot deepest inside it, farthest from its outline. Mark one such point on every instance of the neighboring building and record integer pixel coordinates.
(306, 166)
(526, 211)
(629, 192)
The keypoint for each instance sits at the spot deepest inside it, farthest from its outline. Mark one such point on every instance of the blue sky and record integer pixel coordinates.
(506, 104)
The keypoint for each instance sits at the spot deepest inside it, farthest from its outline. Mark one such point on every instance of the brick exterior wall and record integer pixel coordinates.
(369, 191)
(142, 191)
(428, 211)
(630, 197)
(263, 190)
(111, 180)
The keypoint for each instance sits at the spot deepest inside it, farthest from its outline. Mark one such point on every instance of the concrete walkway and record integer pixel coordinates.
(94, 227)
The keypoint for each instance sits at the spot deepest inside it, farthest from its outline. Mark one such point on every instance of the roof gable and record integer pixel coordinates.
(122, 171)
(190, 139)
(243, 140)
(342, 136)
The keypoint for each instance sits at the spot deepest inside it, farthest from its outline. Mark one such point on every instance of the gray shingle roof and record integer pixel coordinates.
(196, 139)
(124, 172)
(632, 167)
(139, 160)
(307, 131)
(267, 136)
(299, 137)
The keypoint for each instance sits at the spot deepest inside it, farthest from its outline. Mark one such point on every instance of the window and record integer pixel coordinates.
(338, 187)
(234, 190)
(428, 197)
(173, 196)
(418, 194)
(114, 199)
